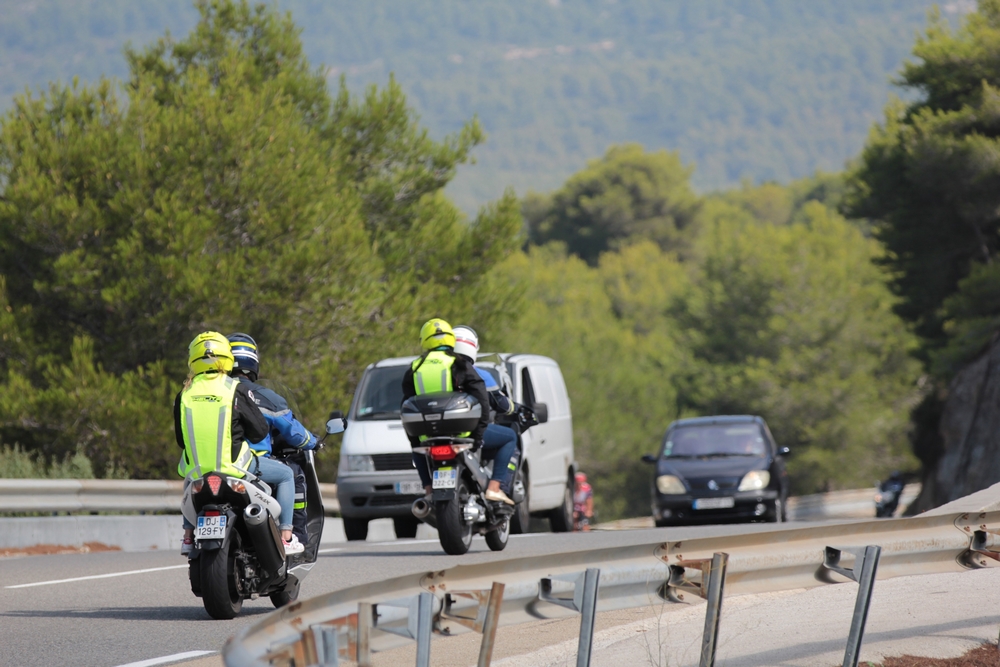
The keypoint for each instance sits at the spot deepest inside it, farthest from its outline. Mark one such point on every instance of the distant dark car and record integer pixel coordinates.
(719, 469)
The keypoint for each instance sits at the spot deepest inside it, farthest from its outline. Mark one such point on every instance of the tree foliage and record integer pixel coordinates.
(221, 188)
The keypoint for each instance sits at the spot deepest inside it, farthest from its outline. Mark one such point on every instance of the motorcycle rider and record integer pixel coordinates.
(440, 369)
(889, 491)
(283, 427)
(201, 407)
(496, 436)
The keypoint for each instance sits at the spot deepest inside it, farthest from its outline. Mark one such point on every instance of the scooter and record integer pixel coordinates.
(458, 507)
(238, 553)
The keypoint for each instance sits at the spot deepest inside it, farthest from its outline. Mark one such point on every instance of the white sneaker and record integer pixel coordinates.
(187, 545)
(293, 547)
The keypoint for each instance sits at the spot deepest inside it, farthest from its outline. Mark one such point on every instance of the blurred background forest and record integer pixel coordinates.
(659, 201)
(756, 89)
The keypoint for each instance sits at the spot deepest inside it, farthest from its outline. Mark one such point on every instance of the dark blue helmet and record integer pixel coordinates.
(245, 355)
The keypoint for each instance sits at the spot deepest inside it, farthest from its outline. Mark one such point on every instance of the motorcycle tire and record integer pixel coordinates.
(220, 585)
(521, 521)
(194, 576)
(454, 533)
(283, 597)
(496, 540)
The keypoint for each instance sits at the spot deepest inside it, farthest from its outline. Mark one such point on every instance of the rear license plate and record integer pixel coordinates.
(444, 478)
(714, 503)
(409, 488)
(210, 528)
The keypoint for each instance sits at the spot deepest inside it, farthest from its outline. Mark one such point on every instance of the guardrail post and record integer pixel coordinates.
(490, 625)
(425, 620)
(588, 612)
(716, 582)
(364, 650)
(863, 572)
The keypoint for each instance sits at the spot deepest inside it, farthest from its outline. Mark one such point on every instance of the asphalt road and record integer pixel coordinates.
(112, 609)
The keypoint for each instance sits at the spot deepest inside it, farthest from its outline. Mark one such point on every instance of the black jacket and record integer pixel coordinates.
(463, 378)
(247, 423)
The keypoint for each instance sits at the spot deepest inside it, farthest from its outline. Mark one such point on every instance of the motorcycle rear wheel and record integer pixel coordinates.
(220, 584)
(454, 533)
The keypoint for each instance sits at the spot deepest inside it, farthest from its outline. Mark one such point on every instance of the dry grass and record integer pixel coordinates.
(985, 655)
(53, 549)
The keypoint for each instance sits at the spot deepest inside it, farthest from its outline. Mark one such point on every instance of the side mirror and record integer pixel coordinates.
(336, 425)
(784, 451)
(336, 414)
(648, 458)
(541, 412)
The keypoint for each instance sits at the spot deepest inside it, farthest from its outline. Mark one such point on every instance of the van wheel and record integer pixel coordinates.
(521, 520)
(356, 529)
(561, 518)
(405, 526)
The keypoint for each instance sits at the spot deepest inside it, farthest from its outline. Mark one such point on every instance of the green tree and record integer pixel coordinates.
(225, 191)
(627, 195)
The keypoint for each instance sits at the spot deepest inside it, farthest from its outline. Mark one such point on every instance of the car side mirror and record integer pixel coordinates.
(541, 412)
(648, 458)
(784, 451)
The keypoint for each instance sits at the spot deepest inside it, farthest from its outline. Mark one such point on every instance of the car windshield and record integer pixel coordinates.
(715, 440)
(381, 394)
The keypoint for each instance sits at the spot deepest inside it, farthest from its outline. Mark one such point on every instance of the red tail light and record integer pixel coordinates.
(215, 483)
(442, 453)
(211, 512)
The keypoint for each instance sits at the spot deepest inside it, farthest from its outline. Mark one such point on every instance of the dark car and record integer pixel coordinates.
(719, 469)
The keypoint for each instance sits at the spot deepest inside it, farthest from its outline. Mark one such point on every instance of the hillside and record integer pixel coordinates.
(757, 89)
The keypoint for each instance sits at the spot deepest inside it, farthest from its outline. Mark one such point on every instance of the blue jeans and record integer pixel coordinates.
(498, 441)
(282, 479)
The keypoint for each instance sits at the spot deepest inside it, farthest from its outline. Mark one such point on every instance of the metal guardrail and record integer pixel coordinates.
(107, 495)
(325, 629)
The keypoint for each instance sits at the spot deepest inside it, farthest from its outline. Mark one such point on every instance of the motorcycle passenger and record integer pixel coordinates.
(283, 427)
(440, 369)
(200, 409)
(496, 437)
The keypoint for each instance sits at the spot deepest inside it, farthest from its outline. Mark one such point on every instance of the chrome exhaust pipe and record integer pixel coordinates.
(421, 508)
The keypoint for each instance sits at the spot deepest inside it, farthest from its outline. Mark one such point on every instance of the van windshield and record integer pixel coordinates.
(715, 440)
(381, 394)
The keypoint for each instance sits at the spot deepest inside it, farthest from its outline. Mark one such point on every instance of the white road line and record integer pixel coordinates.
(187, 655)
(99, 576)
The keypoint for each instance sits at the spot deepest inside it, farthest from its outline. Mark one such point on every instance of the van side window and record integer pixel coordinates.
(527, 389)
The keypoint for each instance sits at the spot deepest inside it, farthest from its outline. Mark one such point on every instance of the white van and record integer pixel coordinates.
(376, 477)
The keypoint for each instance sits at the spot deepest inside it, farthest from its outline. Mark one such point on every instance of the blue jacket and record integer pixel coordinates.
(499, 402)
(283, 425)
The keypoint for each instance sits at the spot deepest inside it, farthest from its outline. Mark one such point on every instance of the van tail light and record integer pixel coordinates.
(442, 453)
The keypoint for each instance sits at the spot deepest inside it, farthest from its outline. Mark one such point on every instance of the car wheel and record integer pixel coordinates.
(355, 529)
(520, 522)
(561, 518)
(405, 526)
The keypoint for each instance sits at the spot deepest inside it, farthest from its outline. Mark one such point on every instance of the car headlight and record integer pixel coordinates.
(357, 463)
(669, 485)
(755, 480)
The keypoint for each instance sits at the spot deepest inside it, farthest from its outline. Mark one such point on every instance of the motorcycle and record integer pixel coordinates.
(238, 553)
(887, 498)
(458, 508)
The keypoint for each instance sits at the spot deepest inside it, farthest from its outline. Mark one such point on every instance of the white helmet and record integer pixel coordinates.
(466, 342)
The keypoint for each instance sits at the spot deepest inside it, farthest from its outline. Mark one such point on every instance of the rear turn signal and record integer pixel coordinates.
(236, 485)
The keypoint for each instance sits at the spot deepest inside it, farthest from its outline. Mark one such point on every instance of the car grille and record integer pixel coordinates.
(383, 501)
(724, 484)
(393, 461)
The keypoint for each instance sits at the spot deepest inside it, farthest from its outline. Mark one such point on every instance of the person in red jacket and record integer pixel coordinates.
(583, 503)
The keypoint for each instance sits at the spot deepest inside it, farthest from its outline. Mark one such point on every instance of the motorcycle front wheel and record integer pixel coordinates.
(496, 540)
(220, 583)
(453, 531)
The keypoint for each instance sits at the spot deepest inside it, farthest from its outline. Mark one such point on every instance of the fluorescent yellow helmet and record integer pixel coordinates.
(210, 351)
(436, 333)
